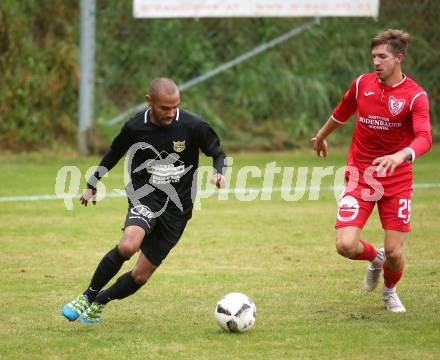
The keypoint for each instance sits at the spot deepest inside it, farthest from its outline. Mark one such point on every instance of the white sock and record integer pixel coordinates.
(389, 290)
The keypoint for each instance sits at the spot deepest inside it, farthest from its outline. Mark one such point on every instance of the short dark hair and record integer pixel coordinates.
(398, 41)
(162, 84)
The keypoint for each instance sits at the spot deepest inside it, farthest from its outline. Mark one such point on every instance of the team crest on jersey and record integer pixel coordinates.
(179, 146)
(395, 105)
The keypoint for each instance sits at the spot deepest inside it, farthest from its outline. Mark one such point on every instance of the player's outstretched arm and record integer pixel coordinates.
(109, 160)
(210, 145)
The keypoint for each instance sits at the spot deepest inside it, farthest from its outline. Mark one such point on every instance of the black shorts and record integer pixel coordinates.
(161, 232)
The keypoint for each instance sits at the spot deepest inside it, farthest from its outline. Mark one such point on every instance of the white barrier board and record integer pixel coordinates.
(254, 8)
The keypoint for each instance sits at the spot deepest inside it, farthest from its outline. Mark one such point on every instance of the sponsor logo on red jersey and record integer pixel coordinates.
(348, 208)
(379, 122)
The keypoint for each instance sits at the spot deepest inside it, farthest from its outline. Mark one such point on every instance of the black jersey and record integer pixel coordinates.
(163, 159)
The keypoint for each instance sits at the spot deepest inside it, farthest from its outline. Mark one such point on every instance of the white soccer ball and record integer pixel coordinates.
(235, 312)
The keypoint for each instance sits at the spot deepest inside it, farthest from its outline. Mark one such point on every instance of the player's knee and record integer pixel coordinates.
(126, 250)
(130, 243)
(394, 255)
(344, 250)
(345, 246)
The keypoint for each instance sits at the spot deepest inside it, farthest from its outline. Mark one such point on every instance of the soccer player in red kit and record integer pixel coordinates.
(392, 129)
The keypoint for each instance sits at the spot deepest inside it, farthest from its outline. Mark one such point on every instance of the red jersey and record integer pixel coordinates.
(389, 119)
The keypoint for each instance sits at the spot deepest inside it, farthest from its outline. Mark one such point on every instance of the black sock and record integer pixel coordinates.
(109, 266)
(122, 288)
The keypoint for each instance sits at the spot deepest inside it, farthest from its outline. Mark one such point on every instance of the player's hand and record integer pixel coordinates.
(388, 163)
(320, 146)
(218, 180)
(87, 195)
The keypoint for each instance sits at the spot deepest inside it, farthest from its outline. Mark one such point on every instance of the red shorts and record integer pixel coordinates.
(394, 211)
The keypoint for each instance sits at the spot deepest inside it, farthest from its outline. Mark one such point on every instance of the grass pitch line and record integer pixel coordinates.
(121, 194)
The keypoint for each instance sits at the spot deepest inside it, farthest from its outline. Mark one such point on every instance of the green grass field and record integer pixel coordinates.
(310, 302)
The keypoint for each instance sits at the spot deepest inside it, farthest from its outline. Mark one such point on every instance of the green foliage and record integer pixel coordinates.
(38, 72)
(275, 100)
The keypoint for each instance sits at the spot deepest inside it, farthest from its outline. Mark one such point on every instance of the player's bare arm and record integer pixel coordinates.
(388, 163)
(320, 145)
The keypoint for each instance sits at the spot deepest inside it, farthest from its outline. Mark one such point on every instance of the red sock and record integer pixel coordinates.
(391, 278)
(369, 252)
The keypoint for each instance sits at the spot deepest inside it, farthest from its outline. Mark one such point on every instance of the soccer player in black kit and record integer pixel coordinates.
(163, 145)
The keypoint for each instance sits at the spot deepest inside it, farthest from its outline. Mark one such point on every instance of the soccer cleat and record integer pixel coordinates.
(392, 301)
(374, 270)
(93, 314)
(75, 308)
